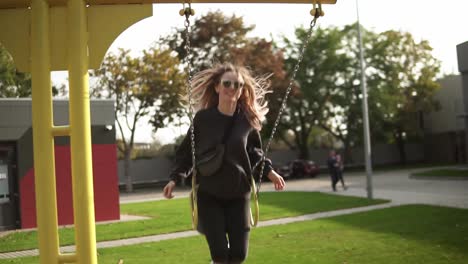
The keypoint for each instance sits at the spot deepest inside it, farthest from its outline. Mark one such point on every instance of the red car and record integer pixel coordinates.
(299, 169)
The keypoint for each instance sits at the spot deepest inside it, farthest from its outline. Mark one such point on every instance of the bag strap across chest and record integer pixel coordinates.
(228, 129)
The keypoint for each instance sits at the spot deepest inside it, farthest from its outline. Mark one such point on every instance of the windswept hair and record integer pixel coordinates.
(252, 100)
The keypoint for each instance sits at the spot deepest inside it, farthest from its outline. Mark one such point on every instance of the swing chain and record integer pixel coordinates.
(288, 91)
(188, 12)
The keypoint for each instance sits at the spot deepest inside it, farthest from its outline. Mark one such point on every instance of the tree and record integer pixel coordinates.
(317, 80)
(12, 82)
(15, 84)
(160, 71)
(214, 36)
(264, 59)
(404, 73)
(400, 78)
(217, 38)
(141, 87)
(345, 121)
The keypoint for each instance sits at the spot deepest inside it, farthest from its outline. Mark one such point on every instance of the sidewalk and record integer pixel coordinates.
(395, 186)
(162, 237)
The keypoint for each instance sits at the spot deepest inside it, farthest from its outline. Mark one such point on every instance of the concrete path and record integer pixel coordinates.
(156, 238)
(392, 185)
(395, 186)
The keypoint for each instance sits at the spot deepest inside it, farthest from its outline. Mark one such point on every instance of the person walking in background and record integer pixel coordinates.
(332, 168)
(339, 171)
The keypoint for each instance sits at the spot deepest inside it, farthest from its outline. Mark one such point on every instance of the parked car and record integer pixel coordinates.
(298, 169)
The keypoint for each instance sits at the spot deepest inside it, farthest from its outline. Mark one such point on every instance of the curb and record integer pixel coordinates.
(438, 178)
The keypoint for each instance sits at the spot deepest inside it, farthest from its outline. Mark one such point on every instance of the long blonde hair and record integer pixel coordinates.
(252, 100)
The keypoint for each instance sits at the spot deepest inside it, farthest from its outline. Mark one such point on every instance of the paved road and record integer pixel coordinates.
(392, 185)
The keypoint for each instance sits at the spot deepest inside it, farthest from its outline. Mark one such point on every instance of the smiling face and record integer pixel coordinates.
(230, 87)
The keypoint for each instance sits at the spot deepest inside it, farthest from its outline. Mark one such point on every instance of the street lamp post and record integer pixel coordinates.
(365, 112)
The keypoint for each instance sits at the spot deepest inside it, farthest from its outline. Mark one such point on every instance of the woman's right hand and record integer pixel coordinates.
(167, 191)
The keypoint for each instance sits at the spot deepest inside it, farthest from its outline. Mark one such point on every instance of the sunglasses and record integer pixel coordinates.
(232, 84)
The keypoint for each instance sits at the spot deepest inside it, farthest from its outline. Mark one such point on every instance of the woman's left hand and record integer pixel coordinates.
(277, 180)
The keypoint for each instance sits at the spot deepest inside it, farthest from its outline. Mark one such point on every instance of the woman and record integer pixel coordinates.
(229, 101)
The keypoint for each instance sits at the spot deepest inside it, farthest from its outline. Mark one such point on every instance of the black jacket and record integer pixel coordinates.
(243, 149)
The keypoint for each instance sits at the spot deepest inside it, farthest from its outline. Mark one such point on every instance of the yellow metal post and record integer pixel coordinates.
(80, 128)
(44, 164)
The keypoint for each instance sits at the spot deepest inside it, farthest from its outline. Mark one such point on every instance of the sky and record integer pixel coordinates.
(439, 22)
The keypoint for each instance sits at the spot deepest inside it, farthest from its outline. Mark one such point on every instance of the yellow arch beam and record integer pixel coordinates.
(15, 22)
(103, 32)
(15, 35)
(26, 3)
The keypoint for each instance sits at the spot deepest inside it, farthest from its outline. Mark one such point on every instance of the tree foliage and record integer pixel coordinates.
(346, 121)
(405, 74)
(143, 87)
(327, 93)
(219, 38)
(15, 84)
(264, 59)
(401, 80)
(317, 81)
(12, 82)
(213, 37)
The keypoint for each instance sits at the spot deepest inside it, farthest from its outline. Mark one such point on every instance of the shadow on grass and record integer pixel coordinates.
(434, 225)
(301, 203)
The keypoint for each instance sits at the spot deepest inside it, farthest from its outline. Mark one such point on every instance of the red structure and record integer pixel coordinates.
(19, 203)
(105, 175)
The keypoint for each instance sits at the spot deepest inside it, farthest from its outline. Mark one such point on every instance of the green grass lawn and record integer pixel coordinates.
(174, 215)
(458, 173)
(416, 234)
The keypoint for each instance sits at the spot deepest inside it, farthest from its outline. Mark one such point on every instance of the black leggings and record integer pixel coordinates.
(226, 225)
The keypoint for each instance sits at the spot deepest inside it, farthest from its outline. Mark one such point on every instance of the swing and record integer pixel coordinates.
(187, 11)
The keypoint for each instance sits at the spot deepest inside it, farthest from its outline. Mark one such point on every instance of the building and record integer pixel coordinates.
(444, 139)
(17, 192)
(446, 129)
(462, 55)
